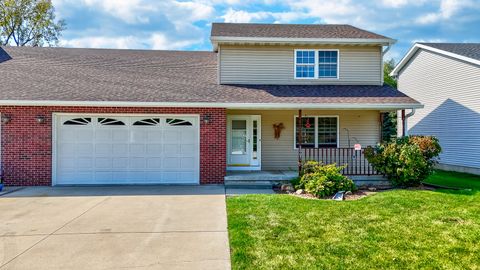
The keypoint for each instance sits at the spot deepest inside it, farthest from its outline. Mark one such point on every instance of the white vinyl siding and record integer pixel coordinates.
(359, 65)
(450, 90)
(280, 154)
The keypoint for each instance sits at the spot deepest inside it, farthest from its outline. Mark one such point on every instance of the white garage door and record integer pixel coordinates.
(126, 150)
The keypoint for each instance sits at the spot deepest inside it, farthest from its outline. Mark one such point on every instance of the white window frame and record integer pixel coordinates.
(316, 128)
(317, 61)
(316, 67)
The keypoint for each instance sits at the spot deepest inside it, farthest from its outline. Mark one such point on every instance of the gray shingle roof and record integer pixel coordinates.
(291, 31)
(471, 50)
(65, 74)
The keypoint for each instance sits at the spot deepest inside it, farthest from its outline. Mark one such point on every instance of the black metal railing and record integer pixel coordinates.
(355, 160)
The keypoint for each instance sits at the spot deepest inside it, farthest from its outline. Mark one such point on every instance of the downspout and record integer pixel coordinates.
(405, 121)
(299, 129)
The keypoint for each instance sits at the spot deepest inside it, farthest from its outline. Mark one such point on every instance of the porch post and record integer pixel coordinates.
(382, 117)
(403, 124)
(299, 130)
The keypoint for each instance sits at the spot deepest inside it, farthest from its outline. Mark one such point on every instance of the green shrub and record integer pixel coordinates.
(295, 182)
(406, 161)
(324, 180)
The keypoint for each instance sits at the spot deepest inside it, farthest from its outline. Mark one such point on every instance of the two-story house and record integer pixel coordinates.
(265, 97)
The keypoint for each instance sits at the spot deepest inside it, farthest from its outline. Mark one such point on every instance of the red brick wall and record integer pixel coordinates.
(27, 145)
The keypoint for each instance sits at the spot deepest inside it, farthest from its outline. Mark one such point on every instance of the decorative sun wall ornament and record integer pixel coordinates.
(277, 130)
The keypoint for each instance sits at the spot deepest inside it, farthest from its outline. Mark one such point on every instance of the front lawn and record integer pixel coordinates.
(454, 179)
(398, 229)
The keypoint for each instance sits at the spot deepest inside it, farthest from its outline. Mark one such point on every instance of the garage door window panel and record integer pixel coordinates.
(147, 122)
(110, 122)
(178, 122)
(78, 122)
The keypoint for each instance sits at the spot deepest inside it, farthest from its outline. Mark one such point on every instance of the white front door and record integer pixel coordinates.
(244, 142)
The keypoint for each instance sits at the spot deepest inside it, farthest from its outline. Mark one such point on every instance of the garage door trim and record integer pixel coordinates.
(56, 116)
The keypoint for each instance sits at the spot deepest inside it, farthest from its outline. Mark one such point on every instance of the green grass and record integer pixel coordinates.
(398, 229)
(454, 179)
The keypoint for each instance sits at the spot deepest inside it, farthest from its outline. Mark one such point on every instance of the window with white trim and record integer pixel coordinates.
(327, 64)
(305, 64)
(317, 131)
(316, 64)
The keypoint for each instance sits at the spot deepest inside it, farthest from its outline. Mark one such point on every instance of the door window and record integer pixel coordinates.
(239, 137)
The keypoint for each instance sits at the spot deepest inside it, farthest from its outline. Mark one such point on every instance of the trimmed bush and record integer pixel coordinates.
(406, 161)
(324, 180)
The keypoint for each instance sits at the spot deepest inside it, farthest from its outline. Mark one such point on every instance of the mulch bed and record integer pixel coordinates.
(361, 193)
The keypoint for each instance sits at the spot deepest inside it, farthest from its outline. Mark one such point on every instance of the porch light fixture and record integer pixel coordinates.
(207, 118)
(6, 119)
(40, 119)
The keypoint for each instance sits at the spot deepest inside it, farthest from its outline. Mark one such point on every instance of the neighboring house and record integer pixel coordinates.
(445, 77)
(96, 116)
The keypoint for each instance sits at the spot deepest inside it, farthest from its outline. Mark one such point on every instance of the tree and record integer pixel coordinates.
(388, 66)
(389, 123)
(29, 23)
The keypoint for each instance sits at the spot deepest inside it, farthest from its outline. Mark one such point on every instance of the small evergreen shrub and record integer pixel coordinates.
(405, 161)
(324, 180)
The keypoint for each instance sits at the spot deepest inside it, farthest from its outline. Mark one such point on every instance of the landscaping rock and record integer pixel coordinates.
(372, 189)
(348, 193)
(300, 191)
(287, 188)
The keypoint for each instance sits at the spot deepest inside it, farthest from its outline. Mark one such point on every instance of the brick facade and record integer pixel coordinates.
(27, 145)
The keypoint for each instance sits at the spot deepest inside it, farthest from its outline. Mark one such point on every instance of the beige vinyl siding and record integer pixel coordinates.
(275, 65)
(281, 155)
(450, 90)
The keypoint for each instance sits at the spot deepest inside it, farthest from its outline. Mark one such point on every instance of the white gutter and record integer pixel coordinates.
(327, 41)
(417, 46)
(377, 106)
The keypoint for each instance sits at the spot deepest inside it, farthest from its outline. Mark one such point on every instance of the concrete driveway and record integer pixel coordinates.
(159, 227)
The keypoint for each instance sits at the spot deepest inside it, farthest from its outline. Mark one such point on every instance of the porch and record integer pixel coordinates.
(263, 145)
(356, 167)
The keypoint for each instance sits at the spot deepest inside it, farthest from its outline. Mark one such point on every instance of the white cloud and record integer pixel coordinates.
(433, 40)
(159, 41)
(402, 3)
(139, 11)
(126, 42)
(155, 41)
(448, 8)
(240, 16)
(130, 11)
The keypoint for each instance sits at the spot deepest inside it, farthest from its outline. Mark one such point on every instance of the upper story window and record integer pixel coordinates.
(316, 64)
(327, 64)
(305, 64)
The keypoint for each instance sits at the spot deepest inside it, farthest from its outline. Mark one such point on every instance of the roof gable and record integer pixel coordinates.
(468, 52)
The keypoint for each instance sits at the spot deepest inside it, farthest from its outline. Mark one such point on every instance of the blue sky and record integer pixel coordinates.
(185, 25)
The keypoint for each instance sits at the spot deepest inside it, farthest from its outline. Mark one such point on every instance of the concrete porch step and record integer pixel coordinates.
(261, 175)
(257, 179)
(248, 184)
